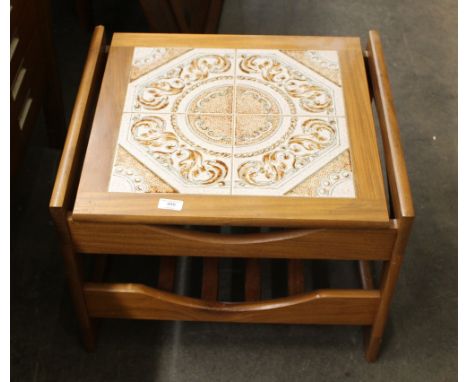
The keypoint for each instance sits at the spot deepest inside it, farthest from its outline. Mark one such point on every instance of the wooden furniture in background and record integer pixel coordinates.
(34, 80)
(95, 222)
(168, 16)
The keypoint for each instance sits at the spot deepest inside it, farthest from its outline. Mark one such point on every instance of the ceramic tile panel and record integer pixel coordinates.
(162, 88)
(304, 146)
(241, 122)
(306, 90)
(158, 144)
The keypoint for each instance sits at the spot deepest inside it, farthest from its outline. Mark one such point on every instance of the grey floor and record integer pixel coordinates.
(420, 41)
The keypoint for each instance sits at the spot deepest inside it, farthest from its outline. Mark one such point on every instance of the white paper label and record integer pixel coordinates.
(170, 204)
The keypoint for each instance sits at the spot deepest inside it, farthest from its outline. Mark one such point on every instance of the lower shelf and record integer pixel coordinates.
(138, 301)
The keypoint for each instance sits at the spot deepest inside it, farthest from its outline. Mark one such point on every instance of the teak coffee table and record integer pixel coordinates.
(271, 132)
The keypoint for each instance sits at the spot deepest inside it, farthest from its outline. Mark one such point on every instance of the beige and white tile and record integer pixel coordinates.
(245, 122)
(309, 91)
(333, 180)
(314, 143)
(146, 59)
(158, 89)
(324, 62)
(212, 96)
(254, 96)
(154, 142)
(130, 175)
(207, 132)
(260, 133)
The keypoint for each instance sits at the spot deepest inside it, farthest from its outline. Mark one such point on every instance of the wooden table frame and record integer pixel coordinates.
(368, 306)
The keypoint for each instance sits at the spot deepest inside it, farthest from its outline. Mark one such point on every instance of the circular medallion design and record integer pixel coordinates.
(216, 99)
(257, 115)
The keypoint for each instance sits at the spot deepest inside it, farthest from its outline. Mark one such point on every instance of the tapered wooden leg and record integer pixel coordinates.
(75, 280)
(373, 337)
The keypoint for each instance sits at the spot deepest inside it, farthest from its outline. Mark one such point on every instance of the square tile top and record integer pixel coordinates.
(245, 130)
(268, 122)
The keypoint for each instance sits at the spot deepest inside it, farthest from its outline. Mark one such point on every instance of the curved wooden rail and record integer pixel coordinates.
(233, 239)
(137, 301)
(144, 239)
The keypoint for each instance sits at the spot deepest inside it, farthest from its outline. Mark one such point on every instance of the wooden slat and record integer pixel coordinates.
(253, 280)
(169, 241)
(365, 271)
(295, 277)
(167, 267)
(210, 279)
(334, 306)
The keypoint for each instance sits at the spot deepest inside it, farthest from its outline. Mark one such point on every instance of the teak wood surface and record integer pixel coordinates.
(144, 239)
(337, 306)
(368, 209)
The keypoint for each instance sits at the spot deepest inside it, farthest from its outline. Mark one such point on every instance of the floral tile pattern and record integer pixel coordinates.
(232, 121)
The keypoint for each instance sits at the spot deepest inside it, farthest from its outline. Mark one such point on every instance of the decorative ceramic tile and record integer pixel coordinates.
(185, 77)
(180, 164)
(305, 90)
(302, 148)
(243, 122)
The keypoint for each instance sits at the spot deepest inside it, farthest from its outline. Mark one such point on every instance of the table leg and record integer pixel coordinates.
(74, 271)
(373, 338)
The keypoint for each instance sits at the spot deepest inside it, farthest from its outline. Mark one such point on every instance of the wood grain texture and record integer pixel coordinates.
(369, 209)
(217, 210)
(387, 287)
(99, 157)
(209, 290)
(353, 307)
(400, 190)
(74, 270)
(64, 187)
(170, 241)
(167, 269)
(365, 271)
(235, 41)
(394, 157)
(63, 191)
(295, 277)
(253, 280)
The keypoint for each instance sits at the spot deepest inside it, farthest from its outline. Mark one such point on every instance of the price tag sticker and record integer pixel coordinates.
(170, 204)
